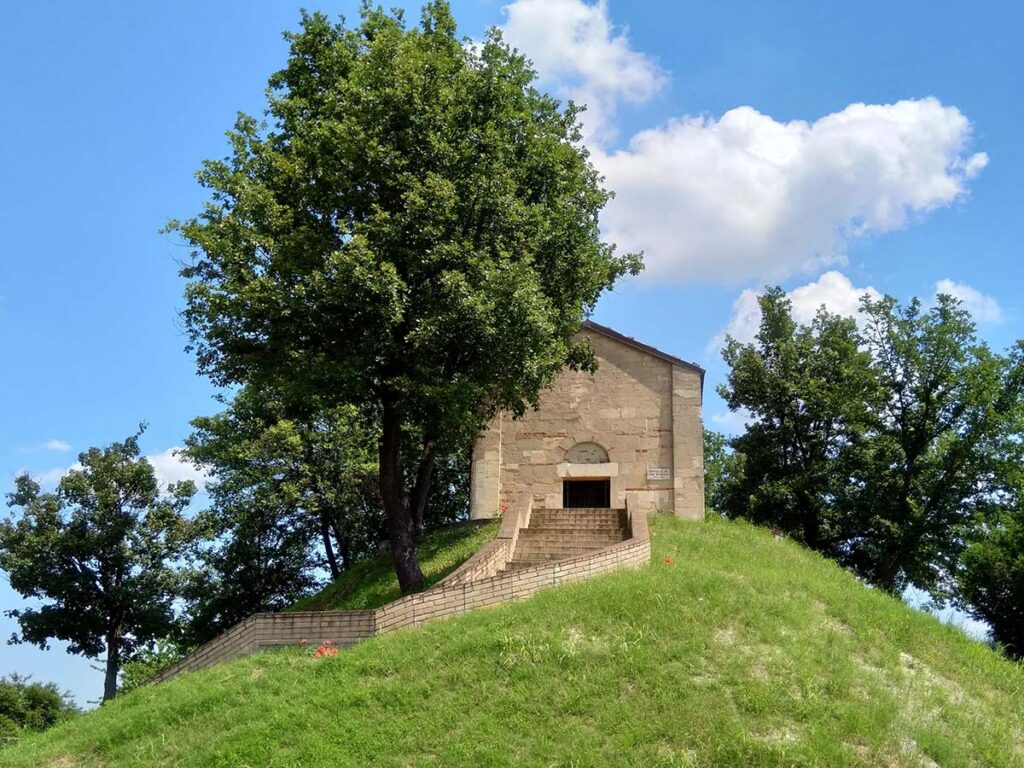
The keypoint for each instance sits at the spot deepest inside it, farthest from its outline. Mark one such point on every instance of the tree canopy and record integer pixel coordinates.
(26, 706)
(102, 555)
(882, 444)
(412, 230)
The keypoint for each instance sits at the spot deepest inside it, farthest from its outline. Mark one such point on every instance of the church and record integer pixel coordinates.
(629, 432)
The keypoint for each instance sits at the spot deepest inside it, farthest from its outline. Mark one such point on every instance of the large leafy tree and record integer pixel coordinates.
(102, 555)
(880, 446)
(288, 497)
(292, 499)
(934, 453)
(413, 230)
(990, 577)
(806, 389)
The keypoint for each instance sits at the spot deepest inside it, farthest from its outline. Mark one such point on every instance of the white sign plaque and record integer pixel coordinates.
(658, 473)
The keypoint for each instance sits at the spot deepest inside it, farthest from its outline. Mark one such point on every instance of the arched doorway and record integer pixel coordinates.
(582, 492)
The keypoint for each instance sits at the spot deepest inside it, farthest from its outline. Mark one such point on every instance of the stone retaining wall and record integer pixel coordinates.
(466, 589)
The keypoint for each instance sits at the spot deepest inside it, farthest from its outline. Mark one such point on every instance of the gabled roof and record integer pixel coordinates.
(631, 342)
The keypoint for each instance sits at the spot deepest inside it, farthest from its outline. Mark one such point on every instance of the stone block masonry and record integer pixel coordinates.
(640, 410)
(478, 583)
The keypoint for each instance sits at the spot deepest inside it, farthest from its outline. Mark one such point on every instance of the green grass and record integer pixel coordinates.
(743, 651)
(372, 583)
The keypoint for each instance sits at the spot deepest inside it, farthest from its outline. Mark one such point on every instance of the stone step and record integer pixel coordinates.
(563, 543)
(554, 554)
(518, 565)
(530, 534)
(562, 546)
(578, 514)
(574, 524)
(571, 530)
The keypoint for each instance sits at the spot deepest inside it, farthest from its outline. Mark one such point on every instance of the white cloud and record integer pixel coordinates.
(833, 289)
(57, 445)
(732, 422)
(742, 196)
(48, 478)
(984, 308)
(745, 196)
(170, 467)
(580, 54)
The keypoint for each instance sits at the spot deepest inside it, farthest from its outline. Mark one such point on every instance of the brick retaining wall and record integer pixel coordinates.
(474, 585)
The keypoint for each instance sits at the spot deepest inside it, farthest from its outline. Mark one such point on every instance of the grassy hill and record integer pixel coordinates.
(732, 648)
(372, 583)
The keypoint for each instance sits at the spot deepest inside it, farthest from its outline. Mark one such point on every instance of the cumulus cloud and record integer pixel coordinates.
(581, 55)
(833, 290)
(57, 445)
(49, 478)
(745, 196)
(742, 196)
(170, 467)
(984, 308)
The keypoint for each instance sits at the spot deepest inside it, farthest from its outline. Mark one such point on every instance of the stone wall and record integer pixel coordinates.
(268, 630)
(450, 597)
(642, 409)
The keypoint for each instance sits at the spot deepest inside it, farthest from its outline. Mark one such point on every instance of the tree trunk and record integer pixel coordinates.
(401, 530)
(344, 546)
(422, 487)
(888, 569)
(325, 534)
(113, 665)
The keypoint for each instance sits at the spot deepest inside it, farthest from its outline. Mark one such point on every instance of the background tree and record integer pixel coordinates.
(148, 661)
(723, 469)
(934, 449)
(288, 498)
(415, 232)
(102, 554)
(31, 707)
(292, 500)
(880, 447)
(807, 390)
(990, 577)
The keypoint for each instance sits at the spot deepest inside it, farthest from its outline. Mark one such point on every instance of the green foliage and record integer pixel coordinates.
(291, 499)
(371, 582)
(991, 580)
(807, 390)
(415, 232)
(288, 497)
(148, 661)
(947, 409)
(103, 554)
(991, 574)
(30, 707)
(879, 447)
(746, 650)
(723, 469)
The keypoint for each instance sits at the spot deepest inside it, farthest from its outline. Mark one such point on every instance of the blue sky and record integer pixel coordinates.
(731, 132)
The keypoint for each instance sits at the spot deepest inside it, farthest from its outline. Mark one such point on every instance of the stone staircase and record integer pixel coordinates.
(558, 534)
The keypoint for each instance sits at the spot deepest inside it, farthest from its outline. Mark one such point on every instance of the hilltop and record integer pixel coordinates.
(732, 648)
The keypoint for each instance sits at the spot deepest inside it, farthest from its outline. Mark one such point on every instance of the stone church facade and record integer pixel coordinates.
(630, 431)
